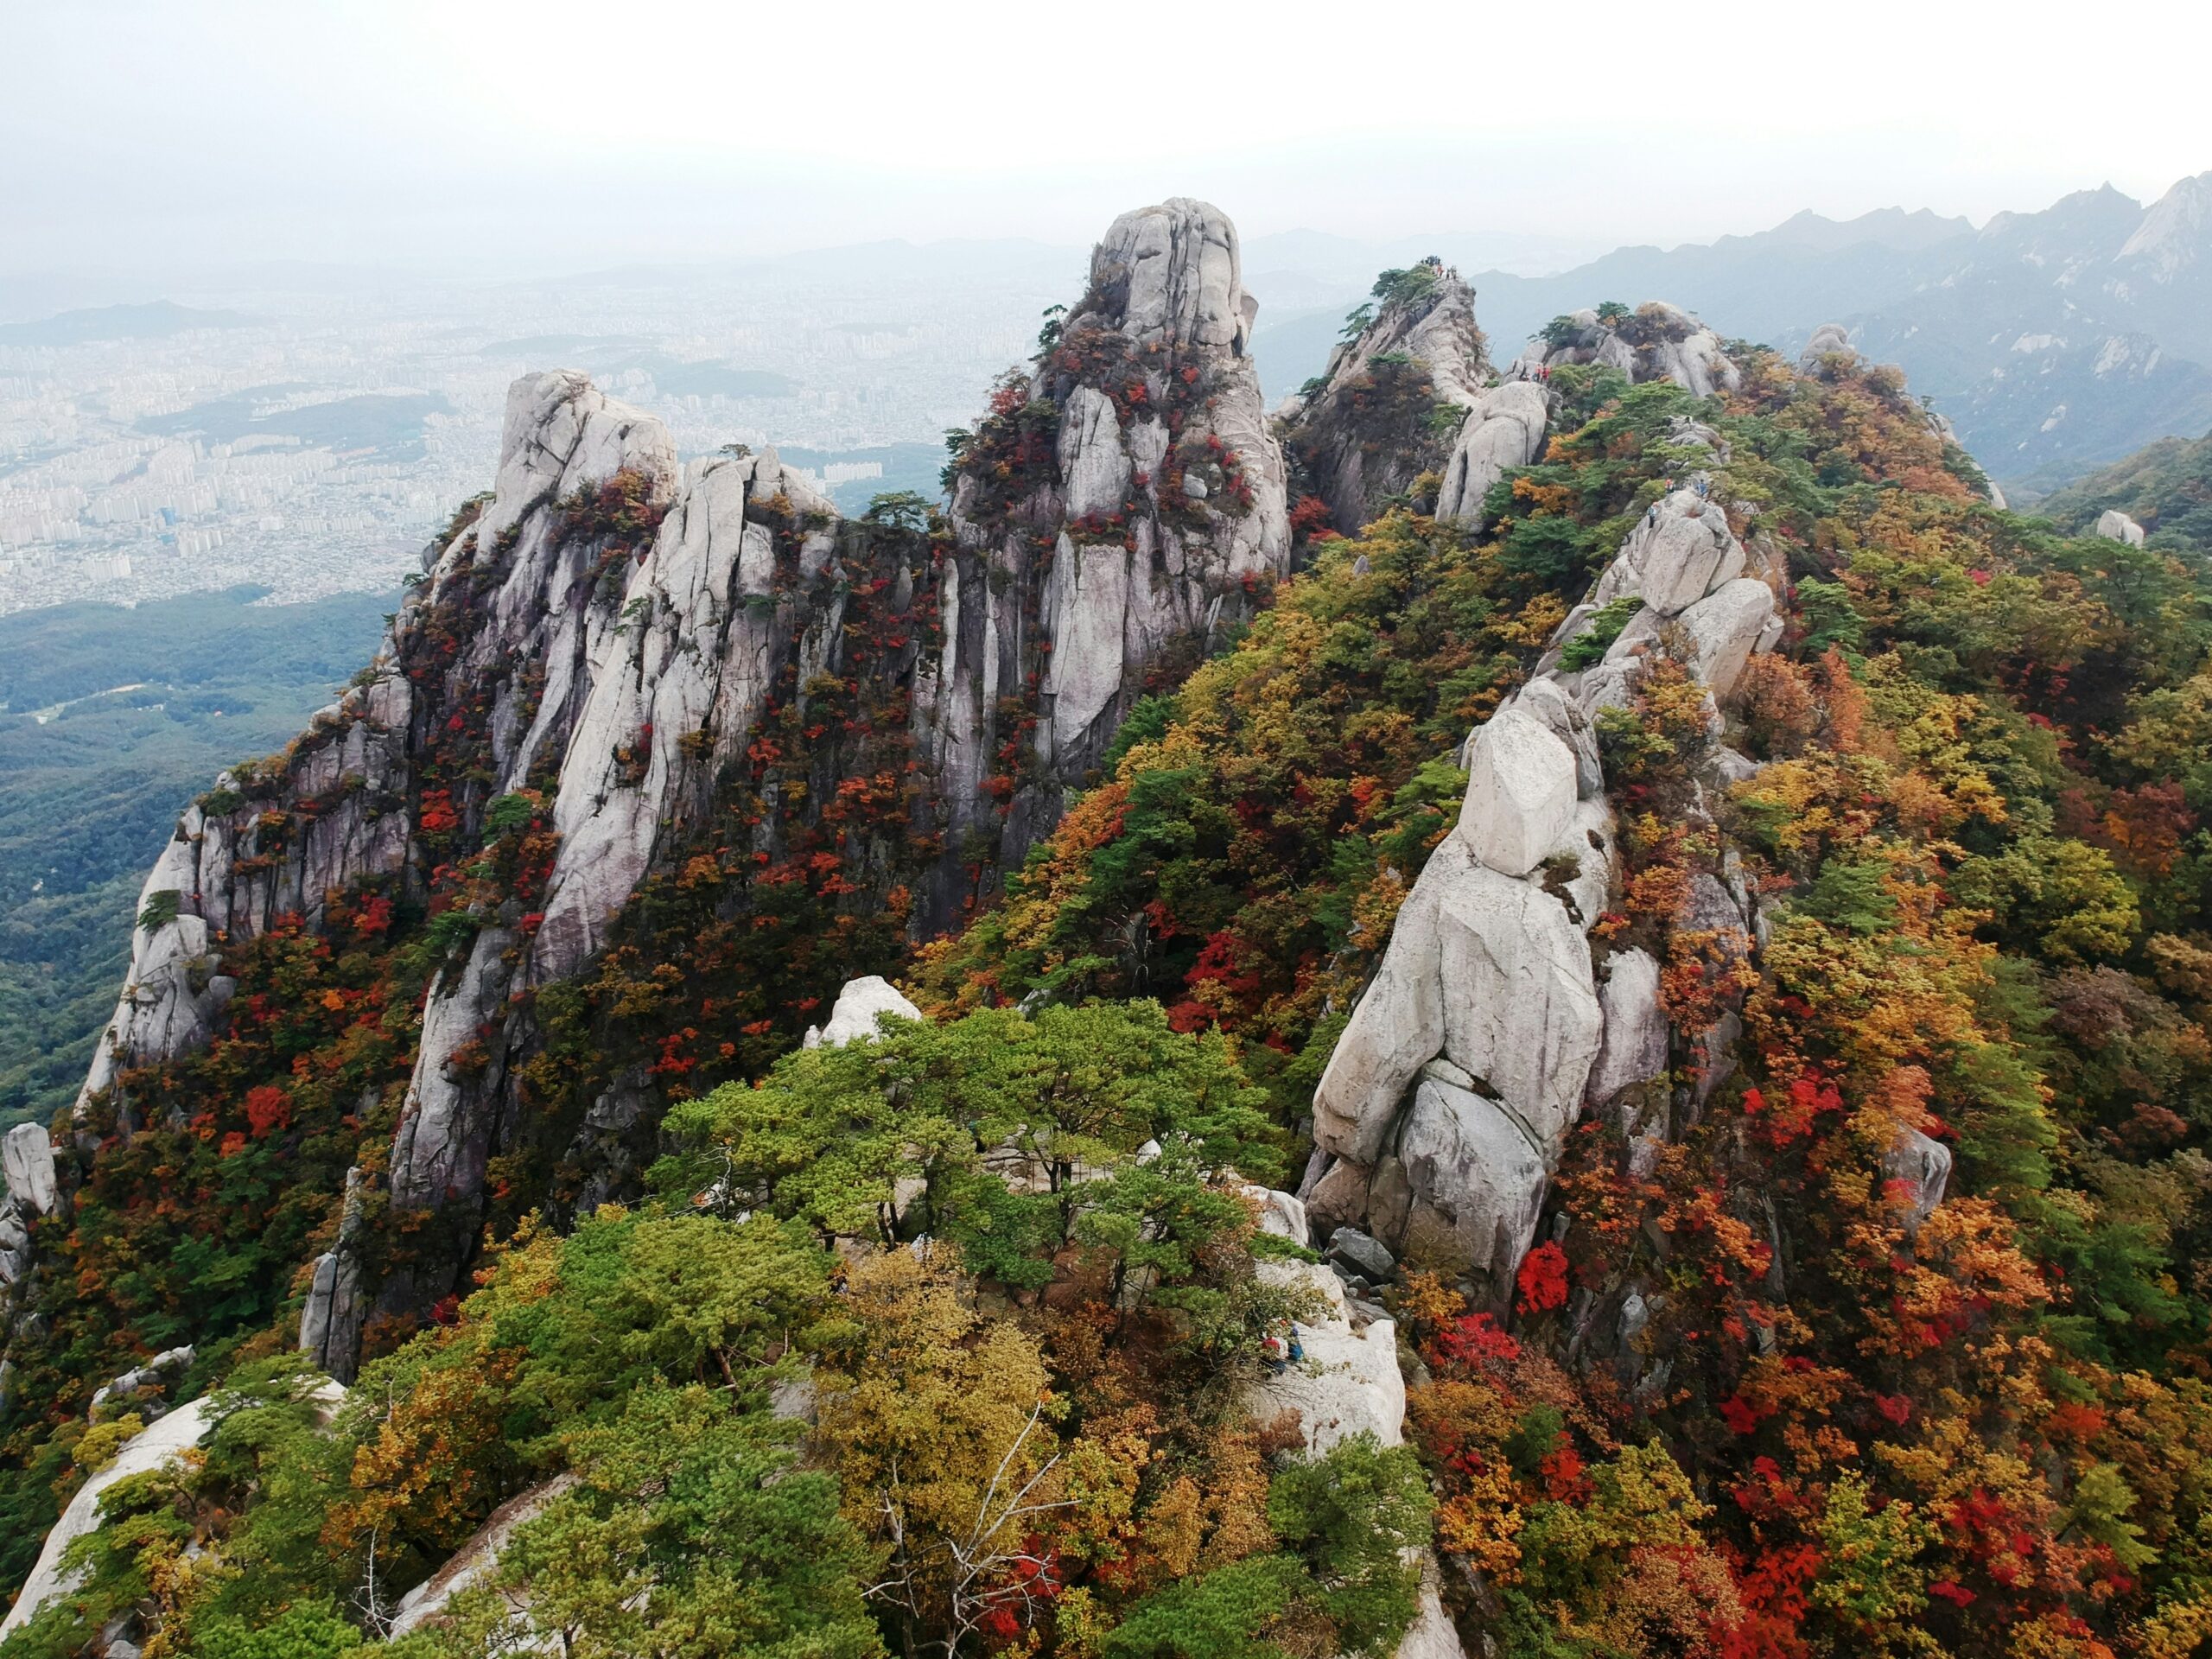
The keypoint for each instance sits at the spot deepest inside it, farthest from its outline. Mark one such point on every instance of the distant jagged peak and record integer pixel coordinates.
(2083, 215)
(1171, 272)
(1656, 341)
(1894, 228)
(2176, 231)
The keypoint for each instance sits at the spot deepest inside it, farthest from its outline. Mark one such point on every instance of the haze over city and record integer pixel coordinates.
(516, 138)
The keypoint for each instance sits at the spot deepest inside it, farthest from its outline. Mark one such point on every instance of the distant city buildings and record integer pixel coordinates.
(318, 447)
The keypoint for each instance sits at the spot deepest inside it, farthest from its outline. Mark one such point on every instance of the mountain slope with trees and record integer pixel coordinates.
(1849, 1304)
(2165, 486)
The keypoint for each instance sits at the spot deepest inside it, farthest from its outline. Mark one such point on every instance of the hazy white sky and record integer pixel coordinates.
(543, 133)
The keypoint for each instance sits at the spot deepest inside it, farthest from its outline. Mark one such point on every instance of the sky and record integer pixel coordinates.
(527, 137)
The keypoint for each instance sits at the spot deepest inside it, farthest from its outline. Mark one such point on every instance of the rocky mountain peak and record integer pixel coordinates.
(562, 434)
(1395, 395)
(2176, 232)
(2068, 231)
(1656, 341)
(1171, 274)
(1116, 504)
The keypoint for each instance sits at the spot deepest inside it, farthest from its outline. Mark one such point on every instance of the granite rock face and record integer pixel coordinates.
(1504, 429)
(555, 612)
(1475, 1178)
(335, 812)
(1369, 429)
(1520, 793)
(1489, 972)
(2116, 526)
(1724, 627)
(699, 650)
(166, 1437)
(1634, 1049)
(1108, 516)
(27, 1164)
(1679, 551)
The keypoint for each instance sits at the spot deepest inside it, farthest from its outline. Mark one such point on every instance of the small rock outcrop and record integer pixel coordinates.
(2116, 526)
(27, 1165)
(1724, 628)
(860, 1007)
(1347, 1382)
(1919, 1168)
(1827, 340)
(1413, 392)
(426, 1604)
(1657, 342)
(1504, 429)
(331, 1318)
(156, 1373)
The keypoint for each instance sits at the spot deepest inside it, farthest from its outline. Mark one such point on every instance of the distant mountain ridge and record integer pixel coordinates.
(155, 320)
(2056, 341)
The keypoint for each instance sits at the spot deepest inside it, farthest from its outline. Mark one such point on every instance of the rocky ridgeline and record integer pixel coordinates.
(1828, 351)
(605, 633)
(1492, 1024)
(1119, 503)
(1412, 393)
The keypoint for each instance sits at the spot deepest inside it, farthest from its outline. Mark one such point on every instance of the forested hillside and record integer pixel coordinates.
(1609, 1060)
(91, 777)
(2165, 486)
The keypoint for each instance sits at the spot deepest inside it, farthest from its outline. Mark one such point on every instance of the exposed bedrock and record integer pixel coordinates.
(1376, 419)
(1489, 1026)
(1100, 564)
